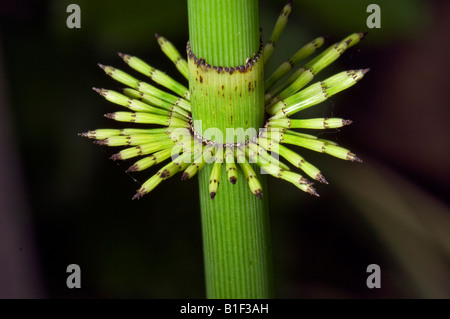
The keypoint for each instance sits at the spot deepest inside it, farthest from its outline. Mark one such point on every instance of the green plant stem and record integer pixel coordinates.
(235, 224)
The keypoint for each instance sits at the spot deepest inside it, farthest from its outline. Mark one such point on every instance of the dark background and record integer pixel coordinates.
(62, 201)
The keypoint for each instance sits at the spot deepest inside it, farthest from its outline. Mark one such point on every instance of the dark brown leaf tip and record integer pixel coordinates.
(102, 92)
(110, 115)
(101, 142)
(116, 157)
(312, 191)
(319, 177)
(347, 122)
(132, 168)
(141, 192)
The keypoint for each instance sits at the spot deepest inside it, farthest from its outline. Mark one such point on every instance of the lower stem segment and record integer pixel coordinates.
(236, 240)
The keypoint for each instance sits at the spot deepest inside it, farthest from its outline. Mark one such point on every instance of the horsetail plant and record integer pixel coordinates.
(229, 124)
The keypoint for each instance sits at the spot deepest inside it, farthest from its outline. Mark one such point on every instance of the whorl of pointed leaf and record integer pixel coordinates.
(188, 148)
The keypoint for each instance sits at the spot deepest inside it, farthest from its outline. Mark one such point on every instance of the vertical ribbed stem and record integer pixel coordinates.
(235, 223)
(236, 241)
(224, 32)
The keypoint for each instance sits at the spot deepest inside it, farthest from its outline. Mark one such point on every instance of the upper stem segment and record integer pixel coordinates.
(228, 36)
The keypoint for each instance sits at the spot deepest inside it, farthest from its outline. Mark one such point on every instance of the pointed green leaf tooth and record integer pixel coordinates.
(143, 149)
(148, 186)
(253, 182)
(298, 161)
(354, 38)
(231, 172)
(190, 171)
(319, 177)
(343, 80)
(292, 62)
(164, 173)
(113, 96)
(149, 161)
(307, 50)
(195, 166)
(171, 169)
(341, 153)
(214, 180)
(100, 134)
(173, 54)
(230, 165)
(298, 181)
(168, 171)
(280, 24)
(120, 76)
(155, 74)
